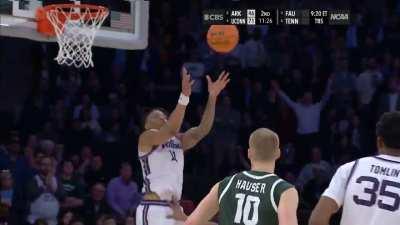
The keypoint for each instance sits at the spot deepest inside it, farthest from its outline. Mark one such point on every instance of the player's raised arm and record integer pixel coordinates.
(158, 128)
(328, 91)
(206, 210)
(287, 209)
(195, 134)
(276, 87)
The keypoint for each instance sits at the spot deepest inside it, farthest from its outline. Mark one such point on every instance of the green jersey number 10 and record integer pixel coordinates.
(245, 205)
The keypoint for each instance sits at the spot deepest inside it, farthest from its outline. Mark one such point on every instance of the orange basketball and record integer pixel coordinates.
(223, 38)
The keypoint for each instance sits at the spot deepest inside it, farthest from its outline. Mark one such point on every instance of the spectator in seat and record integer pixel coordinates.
(65, 217)
(10, 153)
(225, 132)
(13, 160)
(76, 161)
(389, 101)
(43, 193)
(355, 132)
(96, 172)
(344, 146)
(368, 82)
(344, 79)
(245, 94)
(32, 141)
(85, 159)
(86, 153)
(95, 205)
(72, 187)
(122, 193)
(109, 220)
(130, 221)
(308, 119)
(100, 219)
(77, 221)
(314, 188)
(6, 188)
(7, 197)
(247, 126)
(316, 167)
(88, 123)
(86, 104)
(75, 136)
(314, 178)
(255, 55)
(48, 148)
(37, 158)
(258, 98)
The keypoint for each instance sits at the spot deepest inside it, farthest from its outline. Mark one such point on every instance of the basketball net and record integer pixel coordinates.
(75, 26)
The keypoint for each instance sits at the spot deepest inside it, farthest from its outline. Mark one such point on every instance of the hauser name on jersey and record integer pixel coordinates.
(250, 186)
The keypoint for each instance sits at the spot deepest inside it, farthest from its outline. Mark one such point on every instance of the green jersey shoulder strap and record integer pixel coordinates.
(277, 189)
(224, 186)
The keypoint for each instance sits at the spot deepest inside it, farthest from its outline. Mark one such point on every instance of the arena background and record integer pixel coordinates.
(39, 99)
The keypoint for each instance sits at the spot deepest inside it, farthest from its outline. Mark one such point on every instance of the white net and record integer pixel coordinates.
(76, 27)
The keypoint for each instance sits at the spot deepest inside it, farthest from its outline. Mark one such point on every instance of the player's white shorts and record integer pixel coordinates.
(154, 213)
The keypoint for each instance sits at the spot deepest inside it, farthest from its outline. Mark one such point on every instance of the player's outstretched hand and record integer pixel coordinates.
(215, 88)
(177, 211)
(186, 82)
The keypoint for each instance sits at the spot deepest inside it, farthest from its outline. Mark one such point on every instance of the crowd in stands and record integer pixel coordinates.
(70, 157)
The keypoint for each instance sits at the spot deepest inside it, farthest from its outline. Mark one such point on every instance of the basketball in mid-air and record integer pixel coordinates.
(223, 38)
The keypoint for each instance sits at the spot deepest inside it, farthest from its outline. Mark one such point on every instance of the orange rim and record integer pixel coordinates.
(45, 27)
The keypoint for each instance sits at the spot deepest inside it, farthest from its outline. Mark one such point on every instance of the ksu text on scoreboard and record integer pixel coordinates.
(276, 17)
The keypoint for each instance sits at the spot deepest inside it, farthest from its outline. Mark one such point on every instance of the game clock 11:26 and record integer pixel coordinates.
(264, 21)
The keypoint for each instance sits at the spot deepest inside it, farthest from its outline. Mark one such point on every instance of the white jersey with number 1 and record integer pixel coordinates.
(162, 174)
(369, 191)
(163, 170)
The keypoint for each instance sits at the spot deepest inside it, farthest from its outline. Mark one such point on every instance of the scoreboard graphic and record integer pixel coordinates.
(276, 17)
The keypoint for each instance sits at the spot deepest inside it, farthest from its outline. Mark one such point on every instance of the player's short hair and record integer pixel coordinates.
(265, 143)
(147, 114)
(388, 128)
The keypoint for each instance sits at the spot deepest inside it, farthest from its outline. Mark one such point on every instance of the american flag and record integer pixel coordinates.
(121, 20)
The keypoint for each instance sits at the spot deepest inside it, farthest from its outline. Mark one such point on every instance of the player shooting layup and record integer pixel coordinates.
(161, 150)
(256, 197)
(368, 188)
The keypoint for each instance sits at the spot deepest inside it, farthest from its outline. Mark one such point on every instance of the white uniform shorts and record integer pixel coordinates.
(154, 213)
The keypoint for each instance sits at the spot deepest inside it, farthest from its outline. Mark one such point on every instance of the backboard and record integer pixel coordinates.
(125, 28)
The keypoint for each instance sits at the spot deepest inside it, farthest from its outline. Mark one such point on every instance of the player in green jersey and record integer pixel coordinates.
(256, 197)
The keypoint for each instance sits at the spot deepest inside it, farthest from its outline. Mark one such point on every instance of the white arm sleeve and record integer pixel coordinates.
(338, 185)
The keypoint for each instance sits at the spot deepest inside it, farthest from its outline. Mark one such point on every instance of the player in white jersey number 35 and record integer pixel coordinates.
(161, 149)
(368, 189)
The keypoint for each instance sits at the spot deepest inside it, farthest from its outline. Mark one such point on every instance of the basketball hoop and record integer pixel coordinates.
(75, 26)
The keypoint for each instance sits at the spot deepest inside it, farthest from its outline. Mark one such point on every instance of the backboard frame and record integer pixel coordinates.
(22, 25)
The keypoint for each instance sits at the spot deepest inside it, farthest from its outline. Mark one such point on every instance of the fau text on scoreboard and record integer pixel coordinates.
(293, 17)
